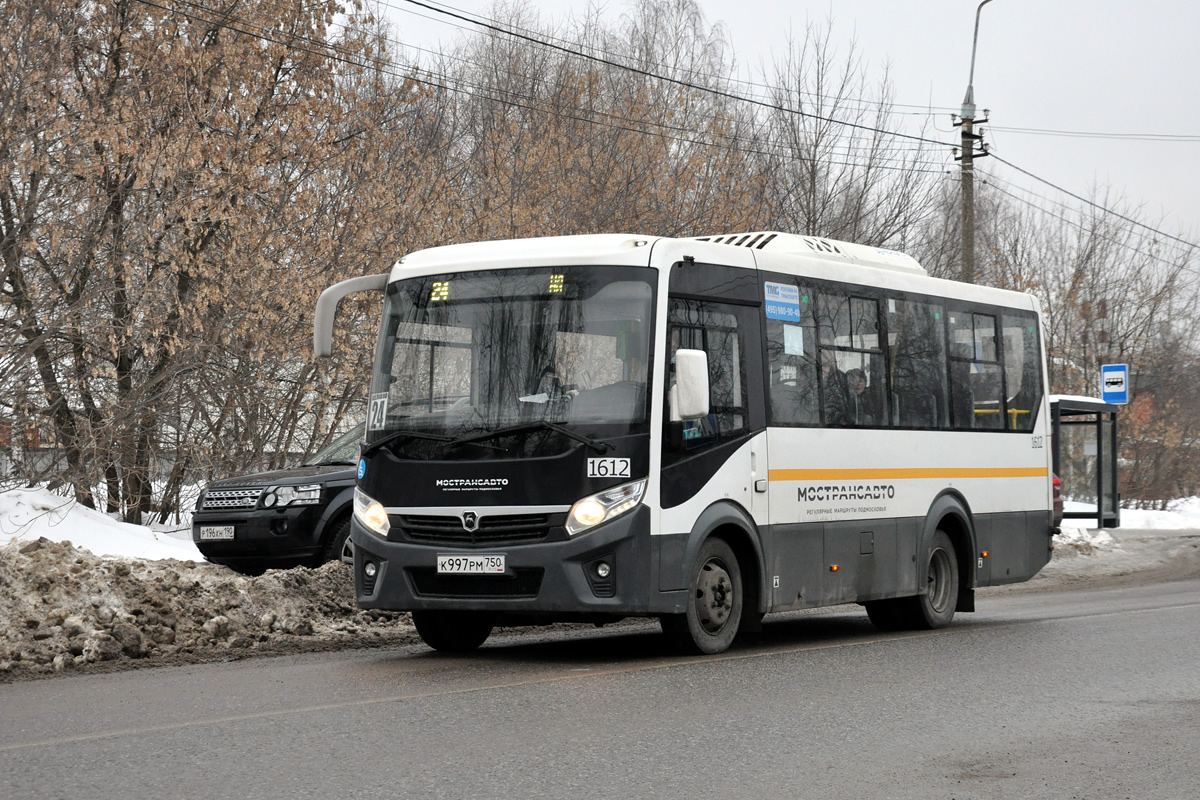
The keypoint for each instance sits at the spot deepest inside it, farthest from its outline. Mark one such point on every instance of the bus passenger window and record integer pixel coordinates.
(1022, 370)
(976, 375)
(852, 377)
(917, 342)
(792, 360)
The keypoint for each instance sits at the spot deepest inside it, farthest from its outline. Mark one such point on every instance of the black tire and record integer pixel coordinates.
(336, 543)
(714, 609)
(453, 631)
(935, 608)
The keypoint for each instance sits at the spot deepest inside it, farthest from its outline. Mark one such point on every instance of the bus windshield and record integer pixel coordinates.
(532, 359)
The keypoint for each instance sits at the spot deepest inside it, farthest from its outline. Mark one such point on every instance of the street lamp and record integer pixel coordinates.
(968, 166)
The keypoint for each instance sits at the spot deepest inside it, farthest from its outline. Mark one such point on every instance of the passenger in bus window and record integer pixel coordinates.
(860, 407)
(834, 393)
(962, 409)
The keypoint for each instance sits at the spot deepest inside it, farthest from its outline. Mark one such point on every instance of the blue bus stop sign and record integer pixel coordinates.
(1114, 383)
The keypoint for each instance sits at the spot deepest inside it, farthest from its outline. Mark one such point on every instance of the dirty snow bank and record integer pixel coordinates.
(62, 608)
(1084, 541)
(81, 590)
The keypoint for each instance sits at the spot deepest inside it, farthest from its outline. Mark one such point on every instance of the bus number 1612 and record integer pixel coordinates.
(608, 468)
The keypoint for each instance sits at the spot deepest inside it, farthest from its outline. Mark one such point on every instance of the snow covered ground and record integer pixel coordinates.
(29, 514)
(80, 590)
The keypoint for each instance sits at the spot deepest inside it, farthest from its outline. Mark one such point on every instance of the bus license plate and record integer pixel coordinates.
(215, 532)
(490, 564)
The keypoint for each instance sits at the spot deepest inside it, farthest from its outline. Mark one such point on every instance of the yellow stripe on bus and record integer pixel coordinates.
(898, 474)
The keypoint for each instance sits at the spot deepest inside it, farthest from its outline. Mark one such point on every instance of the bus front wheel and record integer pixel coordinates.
(452, 631)
(714, 606)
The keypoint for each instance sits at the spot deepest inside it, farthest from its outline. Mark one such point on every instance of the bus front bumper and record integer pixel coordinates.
(608, 571)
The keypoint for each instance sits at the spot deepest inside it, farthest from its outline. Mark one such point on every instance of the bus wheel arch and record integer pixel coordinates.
(723, 546)
(951, 514)
(944, 578)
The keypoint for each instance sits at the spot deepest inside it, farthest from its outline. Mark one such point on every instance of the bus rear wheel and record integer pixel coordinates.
(452, 631)
(928, 611)
(714, 607)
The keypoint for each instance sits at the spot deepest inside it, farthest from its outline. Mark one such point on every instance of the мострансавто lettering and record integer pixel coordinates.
(862, 491)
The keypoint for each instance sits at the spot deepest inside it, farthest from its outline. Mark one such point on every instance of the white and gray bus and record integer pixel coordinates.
(701, 430)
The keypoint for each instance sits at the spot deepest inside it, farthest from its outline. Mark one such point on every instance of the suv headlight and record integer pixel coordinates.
(603, 506)
(306, 495)
(371, 514)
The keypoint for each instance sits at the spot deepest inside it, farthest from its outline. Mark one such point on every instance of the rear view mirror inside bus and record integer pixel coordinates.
(689, 395)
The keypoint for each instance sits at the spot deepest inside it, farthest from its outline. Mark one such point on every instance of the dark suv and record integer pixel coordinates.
(283, 518)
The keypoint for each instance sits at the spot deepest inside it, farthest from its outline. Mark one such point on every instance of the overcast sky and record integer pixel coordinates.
(1127, 72)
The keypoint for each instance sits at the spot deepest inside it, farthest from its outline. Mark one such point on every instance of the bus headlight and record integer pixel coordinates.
(371, 514)
(603, 506)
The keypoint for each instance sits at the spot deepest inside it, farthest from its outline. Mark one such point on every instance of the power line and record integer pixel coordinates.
(618, 122)
(760, 91)
(1096, 206)
(329, 51)
(1136, 137)
(993, 182)
(676, 81)
(535, 40)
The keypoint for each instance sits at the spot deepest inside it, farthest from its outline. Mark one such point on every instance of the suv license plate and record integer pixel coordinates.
(490, 564)
(211, 532)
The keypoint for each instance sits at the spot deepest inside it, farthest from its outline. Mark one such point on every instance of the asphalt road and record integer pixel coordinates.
(1080, 694)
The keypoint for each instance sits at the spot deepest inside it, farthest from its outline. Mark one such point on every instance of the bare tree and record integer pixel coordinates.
(178, 188)
(835, 169)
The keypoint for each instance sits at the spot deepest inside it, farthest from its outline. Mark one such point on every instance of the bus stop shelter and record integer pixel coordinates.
(1084, 449)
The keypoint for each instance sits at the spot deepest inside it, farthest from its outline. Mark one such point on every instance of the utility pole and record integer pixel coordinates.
(968, 156)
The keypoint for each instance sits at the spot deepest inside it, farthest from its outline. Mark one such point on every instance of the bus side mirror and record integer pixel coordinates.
(327, 306)
(689, 395)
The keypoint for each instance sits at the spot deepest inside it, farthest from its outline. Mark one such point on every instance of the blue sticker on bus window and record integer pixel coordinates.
(782, 301)
(362, 468)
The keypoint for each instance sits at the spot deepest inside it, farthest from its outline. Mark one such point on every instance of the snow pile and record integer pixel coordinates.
(31, 514)
(79, 589)
(1084, 541)
(62, 608)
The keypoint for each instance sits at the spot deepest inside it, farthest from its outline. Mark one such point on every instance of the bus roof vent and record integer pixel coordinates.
(817, 247)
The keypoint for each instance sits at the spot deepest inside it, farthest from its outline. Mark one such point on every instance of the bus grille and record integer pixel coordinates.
(524, 582)
(241, 497)
(501, 529)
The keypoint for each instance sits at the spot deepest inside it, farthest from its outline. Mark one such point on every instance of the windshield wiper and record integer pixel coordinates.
(329, 464)
(599, 447)
(396, 436)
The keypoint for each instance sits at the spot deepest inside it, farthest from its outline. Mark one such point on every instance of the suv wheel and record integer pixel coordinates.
(338, 544)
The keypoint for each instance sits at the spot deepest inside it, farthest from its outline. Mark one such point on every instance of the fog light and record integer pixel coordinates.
(603, 569)
(370, 570)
